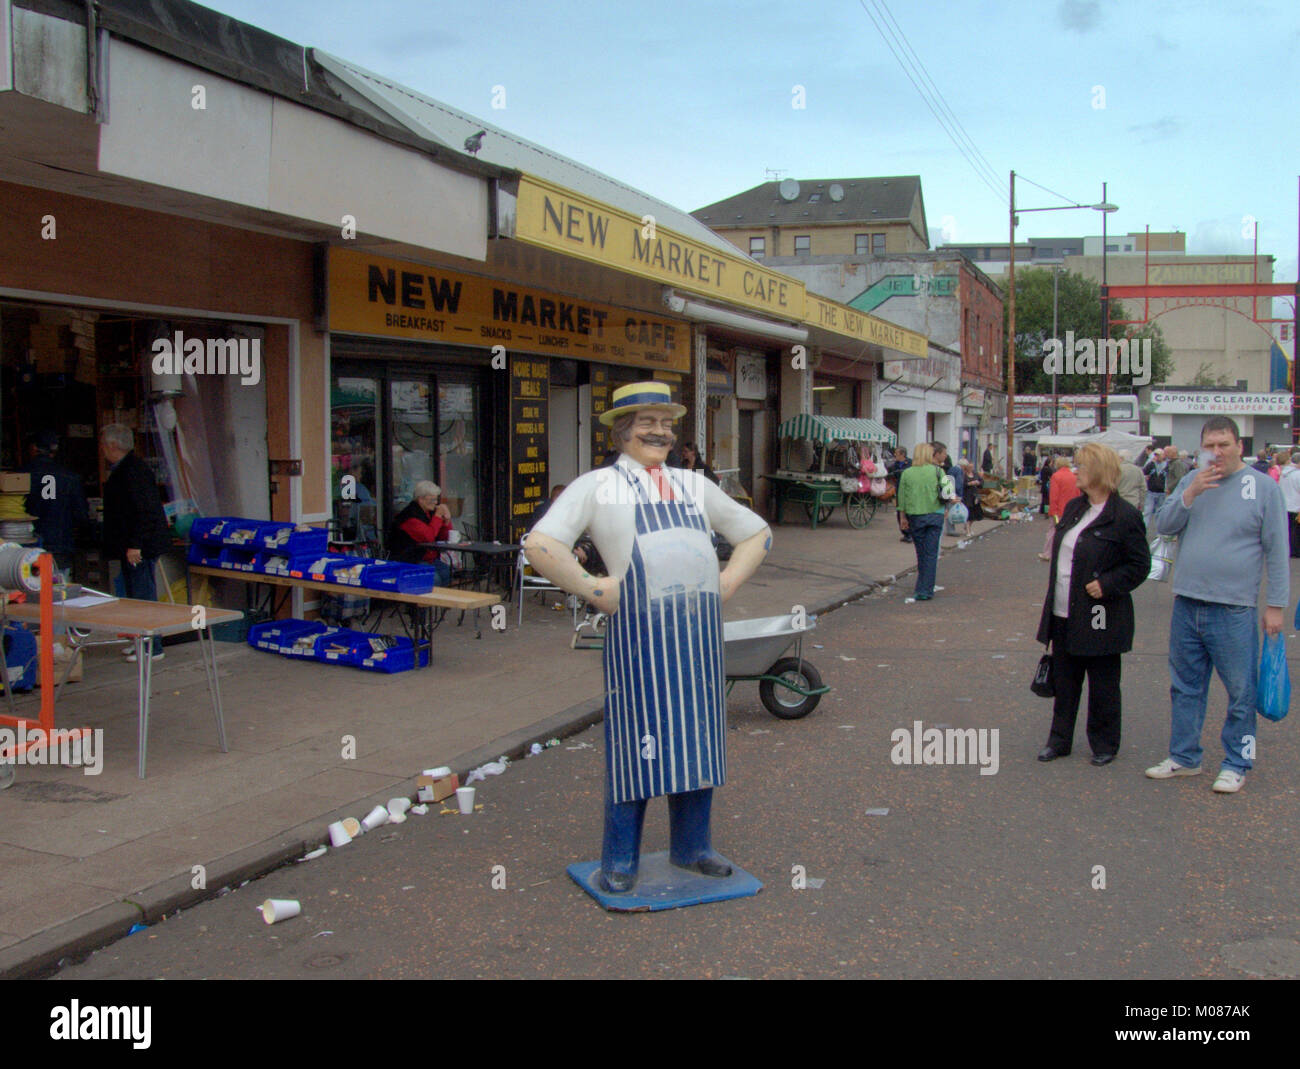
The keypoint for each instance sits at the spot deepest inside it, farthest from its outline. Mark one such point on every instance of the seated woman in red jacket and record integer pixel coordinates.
(423, 521)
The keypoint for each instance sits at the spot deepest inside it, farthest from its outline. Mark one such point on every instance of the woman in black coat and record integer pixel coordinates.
(1099, 555)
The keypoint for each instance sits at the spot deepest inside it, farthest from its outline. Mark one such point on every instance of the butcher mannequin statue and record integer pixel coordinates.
(665, 707)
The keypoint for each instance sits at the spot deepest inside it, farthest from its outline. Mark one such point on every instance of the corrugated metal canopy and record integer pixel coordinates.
(836, 429)
(442, 123)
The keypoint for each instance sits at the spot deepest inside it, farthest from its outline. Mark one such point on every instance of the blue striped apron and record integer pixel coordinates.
(665, 709)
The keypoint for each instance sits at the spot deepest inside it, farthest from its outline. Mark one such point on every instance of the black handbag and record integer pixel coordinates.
(1042, 683)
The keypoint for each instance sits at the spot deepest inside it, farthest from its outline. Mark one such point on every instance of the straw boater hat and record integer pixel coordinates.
(638, 395)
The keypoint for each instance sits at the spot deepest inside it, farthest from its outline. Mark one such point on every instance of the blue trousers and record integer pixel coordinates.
(926, 529)
(688, 822)
(1205, 637)
(140, 583)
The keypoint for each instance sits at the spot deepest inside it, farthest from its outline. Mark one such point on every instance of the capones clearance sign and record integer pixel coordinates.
(376, 296)
(559, 219)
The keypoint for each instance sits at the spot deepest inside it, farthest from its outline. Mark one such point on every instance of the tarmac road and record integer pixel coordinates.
(967, 876)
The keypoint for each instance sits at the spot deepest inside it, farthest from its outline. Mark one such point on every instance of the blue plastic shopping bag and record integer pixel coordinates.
(1274, 697)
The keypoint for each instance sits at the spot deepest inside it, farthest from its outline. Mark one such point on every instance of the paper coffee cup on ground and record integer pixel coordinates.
(339, 834)
(352, 826)
(376, 817)
(398, 805)
(279, 909)
(465, 799)
(397, 818)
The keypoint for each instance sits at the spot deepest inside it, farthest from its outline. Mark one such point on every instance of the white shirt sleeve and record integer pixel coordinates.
(725, 515)
(571, 513)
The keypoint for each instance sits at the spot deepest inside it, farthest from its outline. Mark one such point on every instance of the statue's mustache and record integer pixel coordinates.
(657, 439)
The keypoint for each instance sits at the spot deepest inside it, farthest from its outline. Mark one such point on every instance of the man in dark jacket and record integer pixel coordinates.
(56, 499)
(135, 529)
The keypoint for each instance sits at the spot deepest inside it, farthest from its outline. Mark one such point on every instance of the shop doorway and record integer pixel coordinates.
(565, 434)
(393, 427)
(745, 454)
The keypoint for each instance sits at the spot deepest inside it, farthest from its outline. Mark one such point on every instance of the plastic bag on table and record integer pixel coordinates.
(1273, 698)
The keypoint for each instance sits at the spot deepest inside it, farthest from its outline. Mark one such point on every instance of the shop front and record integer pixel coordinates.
(218, 382)
(1176, 416)
(487, 387)
(918, 399)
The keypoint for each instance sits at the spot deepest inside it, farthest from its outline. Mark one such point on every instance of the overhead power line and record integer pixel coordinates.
(934, 101)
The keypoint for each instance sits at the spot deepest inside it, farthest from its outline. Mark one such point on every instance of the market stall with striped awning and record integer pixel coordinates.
(827, 429)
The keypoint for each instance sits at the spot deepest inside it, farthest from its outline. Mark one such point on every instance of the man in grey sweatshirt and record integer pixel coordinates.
(1231, 522)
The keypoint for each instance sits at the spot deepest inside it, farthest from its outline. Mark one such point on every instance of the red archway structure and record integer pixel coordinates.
(1215, 295)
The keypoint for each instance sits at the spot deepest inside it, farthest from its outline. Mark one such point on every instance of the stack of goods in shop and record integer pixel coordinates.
(316, 641)
(62, 342)
(297, 552)
(15, 523)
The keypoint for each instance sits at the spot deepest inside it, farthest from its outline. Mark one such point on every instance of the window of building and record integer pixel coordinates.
(814, 198)
(1112, 248)
(802, 244)
(877, 244)
(757, 248)
(861, 244)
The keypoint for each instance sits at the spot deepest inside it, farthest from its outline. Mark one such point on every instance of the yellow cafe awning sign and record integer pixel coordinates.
(381, 297)
(574, 225)
(567, 222)
(849, 322)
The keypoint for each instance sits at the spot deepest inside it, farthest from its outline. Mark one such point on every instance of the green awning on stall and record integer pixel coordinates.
(828, 429)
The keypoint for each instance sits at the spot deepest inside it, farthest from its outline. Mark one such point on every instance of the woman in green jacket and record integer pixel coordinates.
(922, 509)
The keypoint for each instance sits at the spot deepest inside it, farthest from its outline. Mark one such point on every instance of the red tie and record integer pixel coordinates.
(662, 484)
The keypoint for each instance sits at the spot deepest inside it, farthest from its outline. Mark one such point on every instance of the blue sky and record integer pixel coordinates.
(692, 102)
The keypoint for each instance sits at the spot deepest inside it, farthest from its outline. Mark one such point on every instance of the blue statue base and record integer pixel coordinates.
(661, 885)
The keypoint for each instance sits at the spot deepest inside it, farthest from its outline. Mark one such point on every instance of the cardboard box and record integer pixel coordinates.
(429, 789)
(44, 336)
(15, 482)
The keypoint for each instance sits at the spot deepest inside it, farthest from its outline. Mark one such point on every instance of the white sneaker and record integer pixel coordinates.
(1168, 769)
(1228, 781)
(130, 656)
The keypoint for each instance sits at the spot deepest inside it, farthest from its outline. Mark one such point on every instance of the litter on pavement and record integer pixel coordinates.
(492, 768)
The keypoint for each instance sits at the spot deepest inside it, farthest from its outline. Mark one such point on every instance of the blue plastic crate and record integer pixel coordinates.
(417, 579)
(211, 530)
(243, 534)
(347, 571)
(314, 566)
(292, 540)
(204, 555)
(338, 645)
(280, 636)
(237, 559)
(399, 658)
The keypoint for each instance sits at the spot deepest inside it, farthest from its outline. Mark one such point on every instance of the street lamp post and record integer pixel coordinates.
(1105, 207)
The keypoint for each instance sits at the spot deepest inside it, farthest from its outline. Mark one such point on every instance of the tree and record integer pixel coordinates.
(1078, 303)
(1205, 376)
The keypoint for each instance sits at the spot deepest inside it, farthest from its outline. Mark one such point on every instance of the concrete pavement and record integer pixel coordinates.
(83, 858)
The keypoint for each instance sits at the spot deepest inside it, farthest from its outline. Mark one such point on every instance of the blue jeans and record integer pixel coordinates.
(1225, 638)
(1155, 502)
(926, 529)
(140, 583)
